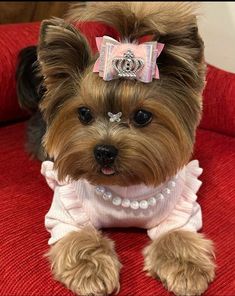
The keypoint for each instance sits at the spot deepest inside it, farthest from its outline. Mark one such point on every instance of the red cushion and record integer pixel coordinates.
(25, 198)
(219, 101)
(12, 39)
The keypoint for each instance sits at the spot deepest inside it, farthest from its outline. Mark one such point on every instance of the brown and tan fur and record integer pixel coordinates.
(150, 154)
(182, 260)
(86, 263)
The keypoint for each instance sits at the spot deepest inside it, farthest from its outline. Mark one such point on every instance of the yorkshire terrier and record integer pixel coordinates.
(118, 132)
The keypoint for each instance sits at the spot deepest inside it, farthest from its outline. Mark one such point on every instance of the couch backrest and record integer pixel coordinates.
(219, 102)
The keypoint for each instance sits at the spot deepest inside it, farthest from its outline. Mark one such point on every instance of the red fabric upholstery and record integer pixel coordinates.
(12, 39)
(25, 198)
(219, 101)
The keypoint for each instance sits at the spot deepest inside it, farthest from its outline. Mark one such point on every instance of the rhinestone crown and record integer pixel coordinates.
(127, 66)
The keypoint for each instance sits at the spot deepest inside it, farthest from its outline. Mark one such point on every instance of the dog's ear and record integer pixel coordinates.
(63, 55)
(63, 50)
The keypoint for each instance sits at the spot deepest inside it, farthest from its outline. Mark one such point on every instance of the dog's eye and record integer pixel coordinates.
(85, 115)
(142, 117)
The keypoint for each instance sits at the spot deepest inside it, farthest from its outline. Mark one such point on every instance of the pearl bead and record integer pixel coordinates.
(143, 204)
(135, 205)
(126, 203)
(100, 190)
(166, 191)
(117, 201)
(176, 176)
(160, 196)
(171, 184)
(152, 201)
(107, 195)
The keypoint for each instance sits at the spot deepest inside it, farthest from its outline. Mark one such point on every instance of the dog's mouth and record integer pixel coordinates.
(108, 171)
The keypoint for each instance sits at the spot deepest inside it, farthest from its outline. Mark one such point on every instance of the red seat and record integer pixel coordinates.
(25, 198)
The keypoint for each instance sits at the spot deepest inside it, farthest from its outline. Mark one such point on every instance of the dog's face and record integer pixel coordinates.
(155, 135)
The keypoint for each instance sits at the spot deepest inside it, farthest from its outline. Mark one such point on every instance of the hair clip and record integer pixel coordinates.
(115, 117)
(127, 60)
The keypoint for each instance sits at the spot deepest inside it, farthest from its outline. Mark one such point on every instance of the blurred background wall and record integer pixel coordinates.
(217, 27)
(21, 12)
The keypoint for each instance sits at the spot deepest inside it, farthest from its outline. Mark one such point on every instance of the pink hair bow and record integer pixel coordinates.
(128, 60)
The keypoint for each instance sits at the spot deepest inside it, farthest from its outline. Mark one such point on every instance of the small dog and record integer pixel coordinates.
(120, 130)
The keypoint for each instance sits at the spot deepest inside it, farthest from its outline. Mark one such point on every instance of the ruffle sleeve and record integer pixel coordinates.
(187, 212)
(47, 170)
(66, 213)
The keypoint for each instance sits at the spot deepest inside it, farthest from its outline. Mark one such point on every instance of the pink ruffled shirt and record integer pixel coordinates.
(171, 205)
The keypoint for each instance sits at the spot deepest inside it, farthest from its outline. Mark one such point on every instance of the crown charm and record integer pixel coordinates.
(128, 66)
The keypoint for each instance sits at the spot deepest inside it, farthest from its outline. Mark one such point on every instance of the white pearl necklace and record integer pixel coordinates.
(136, 204)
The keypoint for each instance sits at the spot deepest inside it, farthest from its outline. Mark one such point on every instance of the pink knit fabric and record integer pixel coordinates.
(77, 204)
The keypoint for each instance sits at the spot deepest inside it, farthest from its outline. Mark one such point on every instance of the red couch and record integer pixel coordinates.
(25, 198)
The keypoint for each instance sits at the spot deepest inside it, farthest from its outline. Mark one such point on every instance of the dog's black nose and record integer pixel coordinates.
(105, 154)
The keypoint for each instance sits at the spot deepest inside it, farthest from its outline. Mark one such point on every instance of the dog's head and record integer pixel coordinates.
(155, 135)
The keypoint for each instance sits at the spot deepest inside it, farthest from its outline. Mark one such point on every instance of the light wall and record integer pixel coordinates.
(217, 28)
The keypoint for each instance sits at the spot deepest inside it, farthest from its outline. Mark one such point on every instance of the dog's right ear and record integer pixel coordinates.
(63, 54)
(63, 50)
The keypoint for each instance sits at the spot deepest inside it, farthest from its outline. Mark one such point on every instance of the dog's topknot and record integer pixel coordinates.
(136, 19)
(171, 23)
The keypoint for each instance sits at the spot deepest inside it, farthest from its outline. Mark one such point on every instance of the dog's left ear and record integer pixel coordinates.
(63, 54)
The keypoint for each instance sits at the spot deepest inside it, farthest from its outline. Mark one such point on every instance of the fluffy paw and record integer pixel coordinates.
(183, 261)
(86, 263)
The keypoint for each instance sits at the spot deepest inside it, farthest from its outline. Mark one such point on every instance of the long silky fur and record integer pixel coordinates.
(86, 262)
(172, 23)
(29, 83)
(30, 90)
(136, 19)
(183, 260)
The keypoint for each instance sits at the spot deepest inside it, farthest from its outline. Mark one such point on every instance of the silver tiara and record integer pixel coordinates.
(128, 65)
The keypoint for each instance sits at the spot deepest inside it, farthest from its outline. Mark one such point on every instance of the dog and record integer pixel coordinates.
(118, 131)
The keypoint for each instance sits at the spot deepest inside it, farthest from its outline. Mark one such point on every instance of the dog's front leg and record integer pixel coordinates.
(182, 260)
(86, 263)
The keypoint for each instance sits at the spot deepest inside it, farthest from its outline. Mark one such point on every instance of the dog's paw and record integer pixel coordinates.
(183, 261)
(86, 263)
